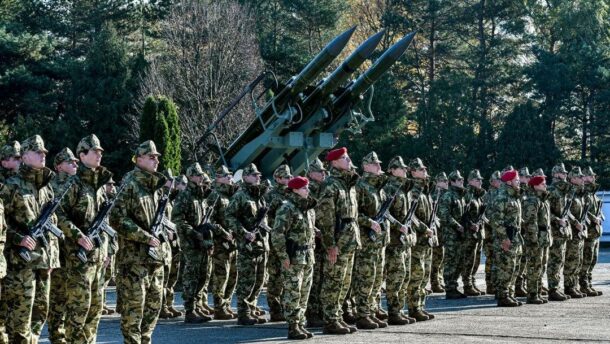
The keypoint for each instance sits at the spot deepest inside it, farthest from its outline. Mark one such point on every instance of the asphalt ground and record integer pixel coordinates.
(472, 320)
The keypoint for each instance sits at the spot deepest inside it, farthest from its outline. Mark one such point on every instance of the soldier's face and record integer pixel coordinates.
(515, 183)
(198, 180)
(35, 160)
(458, 183)
(560, 176)
(577, 181)
(495, 183)
(225, 180)
(148, 162)
(303, 192)
(477, 183)
(589, 179)
(399, 172)
(343, 163)
(442, 185)
(68, 167)
(374, 168)
(420, 173)
(540, 187)
(110, 188)
(253, 179)
(93, 158)
(283, 181)
(12, 163)
(317, 176)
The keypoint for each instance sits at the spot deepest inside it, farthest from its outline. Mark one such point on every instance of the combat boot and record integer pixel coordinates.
(588, 291)
(351, 329)
(380, 323)
(246, 321)
(335, 328)
(555, 295)
(396, 319)
(349, 318)
(470, 291)
(573, 293)
(258, 311)
(544, 291)
(430, 315)
(507, 302)
(454, 294)
(599, 293)
(408, 318)
(366, 323)
(165, 313)
(474, 286)
(438, 289)
(519, 303)
(534, 299)
(222, 314)
(295, 333)
(202, 312)
(520, 292)
(276, 317)
(418, 315)
(490, 290)
(105, 312)
(260, 319)
(193, 318)
(428, 291)
(304, 330)
(314, 321)
(381, 314)
(175, 313)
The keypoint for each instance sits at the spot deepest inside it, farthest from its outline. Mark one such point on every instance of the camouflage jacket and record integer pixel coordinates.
(474, 207)
(338, 203)
(423, 212)
(78, 210)
(487, 199)
(188, 213)
(594, 231)
(536, 217)
(221, 196)
(505, 215)
(24, 196)
(58, 181)
(133, 214)
(577, 210)
(370, 196)
(399, 207)
(314, 188)
(559, 195)
(293, 231)
(450, 209)
(2, 238)
(274, 199)
(240, 216)
(5, 174)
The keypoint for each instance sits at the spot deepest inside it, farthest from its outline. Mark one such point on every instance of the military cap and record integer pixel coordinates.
(336, 154)
(509, 175)
(575, 172)
(34, 143)
(283, 171)
(559, 168)
(10, 149)
(441, 177)
(495, 176)
(222, 171)
(588, 172)
(536, 180)
(87, 143)
(317, 166)
(64, 155)
(455, 175)
(416, 164)
(538, 173)
(250, 169)
(371, 158)
(525, 172)
(475, 174)
(397, 162)
(147, 147)
(194, 170)
(298, 182)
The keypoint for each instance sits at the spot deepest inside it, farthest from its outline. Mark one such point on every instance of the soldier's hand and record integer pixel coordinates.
(333, 252)
(474, 228)
(562, 222)
(170, 235)
(286, 264)
(506, 245)
(211, 251)
(597, 221)
(404, 230)
(85, 243)
(375, 226)
(154, 242)
(250, 237)
(318, 233)
(579, 227)
(429, 233)
(107, 261)
(229, 237)
(28, 243)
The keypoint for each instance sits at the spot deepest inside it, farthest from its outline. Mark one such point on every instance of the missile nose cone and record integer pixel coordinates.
(396, 51)
(335, 47)
(366, 49)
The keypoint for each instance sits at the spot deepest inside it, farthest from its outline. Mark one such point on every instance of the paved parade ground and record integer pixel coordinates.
(473, 320)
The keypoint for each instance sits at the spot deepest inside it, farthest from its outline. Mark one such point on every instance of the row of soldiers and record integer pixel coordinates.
(307, 238)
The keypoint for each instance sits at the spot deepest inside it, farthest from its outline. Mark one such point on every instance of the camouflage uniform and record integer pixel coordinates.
(473, 234)
(225, 251)
(240, 216)
(27, 284)
(488, 241)
(574, 247)
(173, 257)
(594, 232)
(438, 252)
(142, 276)
(275, 284)
(11, 149)
(3, 335)
(523, 259)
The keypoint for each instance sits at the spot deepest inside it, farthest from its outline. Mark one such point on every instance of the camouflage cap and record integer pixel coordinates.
(538, 173)
(495, 176)
(34, 143)
(588, 172)
(575, 172)
(147, 147)
(455, 175)
(371, 158)
(525, 172)
(64, 155)
(317, 166)
(222, 171)
(250, 169)
(397, 162)
(182, 179)
(441, 177)
(87, 143)
(283, 171)
(194, 170)
(559, 168)
(475, 174)
(416, 164)
(507, 168)
(10, 149)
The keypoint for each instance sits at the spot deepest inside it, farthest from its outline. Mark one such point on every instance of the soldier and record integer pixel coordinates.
(65, 166)
(275, 284)
(594, 232)
(524, 178)
(368, 264)
(398, 251)
(246, 217)
(473, 232)
(574, 246)
(10, 159)
(142, 275)
(559, 195)
(337, 216)
(438, 252)
(505, 222)
(27, 282)
(293, 241)
(450, 212)
(494, 186)
(3, 266)
(113, 245)
(537, 225)
(317, 175)
(421, 253)
(225, 249)
(188, 214)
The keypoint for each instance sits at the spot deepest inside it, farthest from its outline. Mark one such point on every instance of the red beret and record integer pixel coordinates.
(509, 175)
(298, 182)
(336, 154)
(536, 180)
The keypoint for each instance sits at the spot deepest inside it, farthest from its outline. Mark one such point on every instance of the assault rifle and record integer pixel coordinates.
(564, 213)
(382, 214)
(433, 240)
(161, 224)
(205, 230)
(259, 225)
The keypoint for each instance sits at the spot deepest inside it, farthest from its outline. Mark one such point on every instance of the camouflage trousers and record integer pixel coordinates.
(471, 249)
(505, 263)
(84, 301)
(545, 260)
(195, 277)
(436, 274)
(3, 312)
(314, 307)
(421, 263)
(533, 257)
(170, 278)
(225, 277)
(397, 261)
(27, 297)
(379, 278)
(453, 259)
(142, 286)
(590, 253)
(337, 281)
(489, 260)
(251, 271)
(297, 284)
(57, 306)
(275, 283)
(202, 297)
(522, 265)
(557, 255)
(573, 264)
(367, 267)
